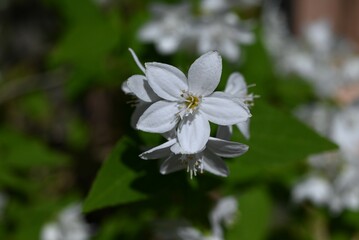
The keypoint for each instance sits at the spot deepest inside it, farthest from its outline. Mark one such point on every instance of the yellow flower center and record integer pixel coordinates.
(192, 102)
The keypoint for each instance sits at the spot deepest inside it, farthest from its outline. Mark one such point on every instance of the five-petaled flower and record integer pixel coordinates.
(188, 104)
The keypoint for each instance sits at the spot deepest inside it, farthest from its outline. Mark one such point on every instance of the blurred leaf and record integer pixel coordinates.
(254, 217)
(112, 183)
(20, 151)
(90, 38)
(277, 142)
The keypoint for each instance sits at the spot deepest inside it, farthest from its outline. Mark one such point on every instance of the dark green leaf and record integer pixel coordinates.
(112, 184)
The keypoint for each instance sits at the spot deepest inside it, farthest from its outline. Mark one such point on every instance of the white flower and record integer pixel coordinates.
(138, 86)
(169, 29)
(237, 87)
(69, 225)
(209, 159)
(190, 103)
(334, 175)
(225, 211)
(223, 33)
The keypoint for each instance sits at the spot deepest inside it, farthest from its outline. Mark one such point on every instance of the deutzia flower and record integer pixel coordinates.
(188, 104)
(237, 87)
(324, 59)
(169, 28)
(209, 159)
(69, 225)
(138, 86)
(223, 33)
(334, 175)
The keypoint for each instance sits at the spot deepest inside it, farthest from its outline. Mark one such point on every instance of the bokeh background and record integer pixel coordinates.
(69, 165)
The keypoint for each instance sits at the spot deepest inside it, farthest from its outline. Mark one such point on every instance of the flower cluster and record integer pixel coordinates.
(214, 27)
(325, 60)
(333, 178)
(181, 109)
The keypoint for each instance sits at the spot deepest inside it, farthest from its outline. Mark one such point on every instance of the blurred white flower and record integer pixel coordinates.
(224, 212)
(69, 225)
(213, 27)
(223, 33)
(324, 59)
(189, 104)
(333, 178)
(168, 29)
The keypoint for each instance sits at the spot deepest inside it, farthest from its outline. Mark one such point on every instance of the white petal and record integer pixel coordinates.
(160, 117)
(214, 164)
(161, 151)
(236, 85)
(125, 88)
(221, 109)
(140, 87)
(177, 149)
(139, 110)
(205, 74)
(225, 148)
(171, 164)
(166, 80)
(244, 128)
(193, 133)
(137, 61)
(224, 132)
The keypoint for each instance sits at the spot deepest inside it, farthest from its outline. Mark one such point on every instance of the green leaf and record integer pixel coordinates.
(20, 151)
(112, 184)
(255, 209)
(278, 141)
(90, 38)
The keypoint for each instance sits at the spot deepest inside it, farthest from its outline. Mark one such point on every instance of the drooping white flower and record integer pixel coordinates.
(138, 86)
(189, 104)
(169, 28)
(69, 225)
(208, 159)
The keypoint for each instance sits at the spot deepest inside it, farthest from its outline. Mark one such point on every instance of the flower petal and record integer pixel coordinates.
(224, 132)
(225, 148)
(205, 74)
(125, 88)
(166, 81)
(236, 85)
(171, 164)
(244, 128)
(230, 49)
(160, 151)
(221, 109)
(139, 110)
(214, 164)
(160, 117)
(168, 44)
(139, 86)
(193, 133)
